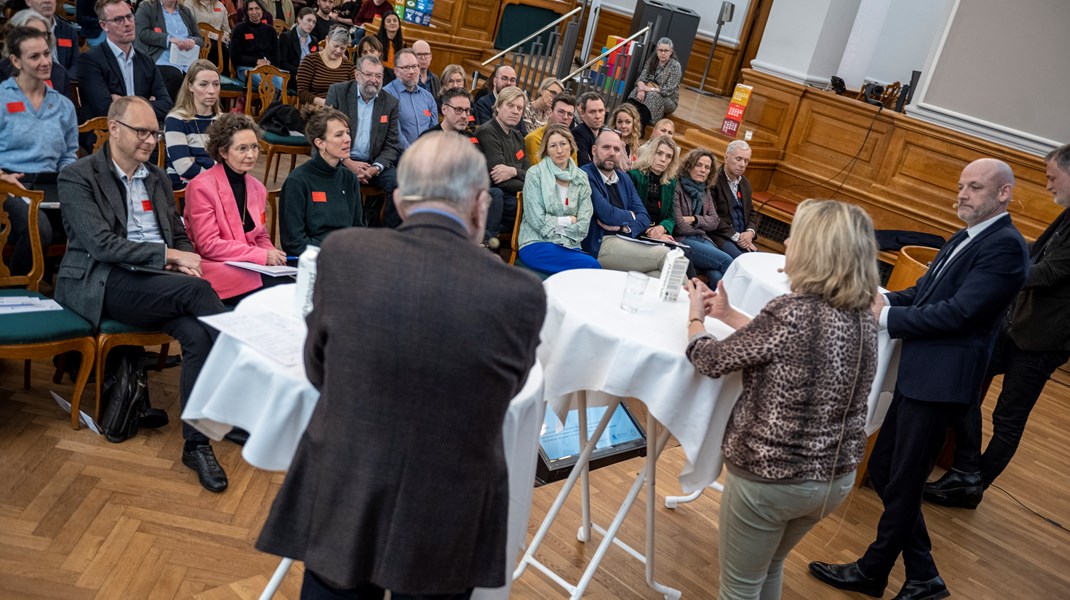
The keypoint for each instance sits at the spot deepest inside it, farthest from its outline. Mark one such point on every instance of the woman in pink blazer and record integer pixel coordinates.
(225, 211)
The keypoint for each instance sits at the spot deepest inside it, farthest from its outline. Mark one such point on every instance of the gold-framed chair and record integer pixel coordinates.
(273, 215)
(229, 87)
(264, 94)
(180, 201)
(44, 334)
(98, 126)
(515, 237)
(280, 26)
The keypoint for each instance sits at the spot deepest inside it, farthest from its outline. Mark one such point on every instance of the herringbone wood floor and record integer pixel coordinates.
(82, 518)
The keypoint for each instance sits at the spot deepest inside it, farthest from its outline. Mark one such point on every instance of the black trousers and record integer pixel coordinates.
(1025, 373)
(172, 304)
(314, 588)
(388, 182)
(907, 446)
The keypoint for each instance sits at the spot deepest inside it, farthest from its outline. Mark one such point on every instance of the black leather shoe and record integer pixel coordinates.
(201, 459)
(955, 489)
(237, 435)
(932, 589)
(848, 577)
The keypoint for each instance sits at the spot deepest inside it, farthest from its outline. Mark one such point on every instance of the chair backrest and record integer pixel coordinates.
(912, 263)
(273, 216)
(212, 37)
(280, 26)
(98, 126)
(180, 201)
(31, 280)
(265, 92)
(513, 241)
(161, 153)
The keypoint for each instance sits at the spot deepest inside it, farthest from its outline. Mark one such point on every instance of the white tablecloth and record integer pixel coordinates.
(241, 387)
(590, 343)
(753, 280)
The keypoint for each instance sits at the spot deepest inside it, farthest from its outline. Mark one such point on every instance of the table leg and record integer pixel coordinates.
(584, 532)
(674, 501)
(276, 578)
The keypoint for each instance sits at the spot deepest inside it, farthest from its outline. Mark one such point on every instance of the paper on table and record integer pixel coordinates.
(279, 337)
(39, 306)
(274, 271)
(183, 58)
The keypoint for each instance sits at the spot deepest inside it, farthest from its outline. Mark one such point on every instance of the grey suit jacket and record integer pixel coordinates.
(94, 216)
(400, 478)
(384, 147)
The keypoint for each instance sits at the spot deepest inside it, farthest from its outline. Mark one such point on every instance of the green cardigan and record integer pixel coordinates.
(316, 199)
(661, 213)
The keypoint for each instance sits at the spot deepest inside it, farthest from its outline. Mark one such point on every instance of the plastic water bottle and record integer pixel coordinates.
(306, 279)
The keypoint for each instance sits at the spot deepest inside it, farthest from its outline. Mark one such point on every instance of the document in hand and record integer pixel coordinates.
(273, 271)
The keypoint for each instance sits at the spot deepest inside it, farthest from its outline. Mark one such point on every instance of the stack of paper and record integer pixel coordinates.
(10, 305)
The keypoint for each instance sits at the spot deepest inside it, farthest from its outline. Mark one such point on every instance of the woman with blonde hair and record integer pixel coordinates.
(186, 126)
(796, 434)
(626, 120)
(557, 208)
(538, 110)
(654, 175)
(453, 76)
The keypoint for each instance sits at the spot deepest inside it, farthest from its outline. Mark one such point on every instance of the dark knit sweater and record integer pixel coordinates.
(316, 200)
(252, 41)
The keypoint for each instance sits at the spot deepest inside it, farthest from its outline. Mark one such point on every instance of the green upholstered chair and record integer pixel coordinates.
(45, 334)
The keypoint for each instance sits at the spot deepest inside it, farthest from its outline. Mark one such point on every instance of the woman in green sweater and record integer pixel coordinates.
(321, 195)
(655, 181)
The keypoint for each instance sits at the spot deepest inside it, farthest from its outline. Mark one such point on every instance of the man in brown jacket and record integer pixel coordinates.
(400, 481)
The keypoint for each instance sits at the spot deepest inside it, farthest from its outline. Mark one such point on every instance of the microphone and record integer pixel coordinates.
(955, 206)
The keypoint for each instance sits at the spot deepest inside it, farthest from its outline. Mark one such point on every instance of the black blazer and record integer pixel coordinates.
(949, 319)
(723, 200)
(290, 52)
(384, 147)
(244, 52)
(101, 77)
(66, 46)
(1040, 320)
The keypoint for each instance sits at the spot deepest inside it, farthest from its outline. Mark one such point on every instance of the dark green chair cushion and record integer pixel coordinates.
(44, 326)
(229, 84)
(108, 325)
(285, 140)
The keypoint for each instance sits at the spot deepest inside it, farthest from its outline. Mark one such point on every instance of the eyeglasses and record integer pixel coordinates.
(458, 111)
(372, 75)
(128, 18)
(408, 68)
(254, 148)
(509, 80)
(142, 134)
(423, 55)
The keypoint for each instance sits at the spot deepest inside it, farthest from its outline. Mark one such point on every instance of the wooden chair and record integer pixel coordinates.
(40, 335)
(514, 239)
(229, 88)
(280, 26)
(180, 201)
(891, 94)
(273, 216)
(265, 93)
(98, 126)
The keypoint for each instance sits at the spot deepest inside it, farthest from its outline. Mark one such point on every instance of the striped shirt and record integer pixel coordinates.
(185, 141)
(314, 77)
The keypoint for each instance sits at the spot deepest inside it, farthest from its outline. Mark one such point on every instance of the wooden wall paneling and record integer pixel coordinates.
(475, 19)
(837, 142)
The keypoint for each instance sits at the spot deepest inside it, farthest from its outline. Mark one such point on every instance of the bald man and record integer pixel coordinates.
(948, 322)
(428, 80)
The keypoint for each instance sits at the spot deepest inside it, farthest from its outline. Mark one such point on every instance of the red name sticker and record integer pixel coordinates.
(311, 48)
(473, 140)
(217, 9)
(263, 218)
(263, 21)
(319, 196)
(383, 119)
(471, 118)
(157, 30)
(519, 154)
(48, 82)
(427, 113)
(63, 42)
(146, 205)
(249, 36)
(16, 107)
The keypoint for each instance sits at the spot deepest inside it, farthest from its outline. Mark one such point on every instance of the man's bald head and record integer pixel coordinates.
(985, 188)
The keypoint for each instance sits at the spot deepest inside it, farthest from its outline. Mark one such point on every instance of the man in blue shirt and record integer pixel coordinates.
(417, 110)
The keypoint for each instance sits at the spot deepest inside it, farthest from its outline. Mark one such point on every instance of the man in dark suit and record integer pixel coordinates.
(128, 256)
(114, 69)
(502, 77)
(592, 111)
(373, 119)
(948, 323)
(65, 36)
(399, 482)
(1034, 341)
(732, 197)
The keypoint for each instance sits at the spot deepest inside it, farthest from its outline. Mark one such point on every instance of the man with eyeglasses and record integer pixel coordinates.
(562, 112)
(373, 119)
(114, 69)
(428, 80)
(502, 77)
(129, 258)
(417, 111)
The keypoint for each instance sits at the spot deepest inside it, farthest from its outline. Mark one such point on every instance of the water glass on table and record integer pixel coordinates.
(634, 288)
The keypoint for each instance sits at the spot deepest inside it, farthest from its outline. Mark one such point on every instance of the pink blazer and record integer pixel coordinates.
(215, 226)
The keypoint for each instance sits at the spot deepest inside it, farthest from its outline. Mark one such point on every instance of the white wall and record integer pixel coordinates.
(707, 10)
(911, 28)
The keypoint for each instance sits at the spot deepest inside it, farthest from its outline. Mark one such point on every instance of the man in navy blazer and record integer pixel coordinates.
(948, 322)
(618, 211)
(101, 78)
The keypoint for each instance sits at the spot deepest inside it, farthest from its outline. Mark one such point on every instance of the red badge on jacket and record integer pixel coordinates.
(383, 119)
(474, 140)
(311, 48)
(319, 196)
(146, 205)
(263, 218)
(520, 155)
(157, 30)
(48, 82)
(427, 113)
(16, 107)
(63, 42)
(249, 36)
(217, 9)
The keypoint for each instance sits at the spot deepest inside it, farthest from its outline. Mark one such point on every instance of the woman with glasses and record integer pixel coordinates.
(40, 137)
(226, 209)
(320, 70)
(657, 91)
(537, 112)
(557, 208)
(696, 214)
(453, 76)
(186, 126)
(321, 195)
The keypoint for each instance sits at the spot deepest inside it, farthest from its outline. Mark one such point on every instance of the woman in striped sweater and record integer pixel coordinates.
(321, 70)
(186, 126)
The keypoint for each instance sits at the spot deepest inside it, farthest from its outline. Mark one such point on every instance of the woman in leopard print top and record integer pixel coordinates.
(796, 434)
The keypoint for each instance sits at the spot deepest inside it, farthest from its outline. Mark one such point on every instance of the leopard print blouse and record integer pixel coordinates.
(799, 358)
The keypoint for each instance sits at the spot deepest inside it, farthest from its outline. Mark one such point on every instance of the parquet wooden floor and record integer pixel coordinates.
(83, 518)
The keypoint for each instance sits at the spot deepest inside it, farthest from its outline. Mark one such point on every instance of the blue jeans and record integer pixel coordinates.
(730, 248)
(707, 258)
